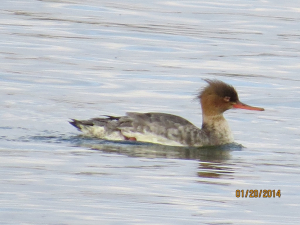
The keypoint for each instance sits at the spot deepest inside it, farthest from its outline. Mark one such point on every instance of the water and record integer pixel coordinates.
(73, 59)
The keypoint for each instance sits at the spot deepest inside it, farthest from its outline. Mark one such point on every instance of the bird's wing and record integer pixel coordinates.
(158, 128)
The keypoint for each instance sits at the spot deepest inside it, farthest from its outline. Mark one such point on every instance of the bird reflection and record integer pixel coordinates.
(213, 161)
(214, 170)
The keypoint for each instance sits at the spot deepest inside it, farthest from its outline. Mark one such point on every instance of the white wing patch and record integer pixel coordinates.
(151, 137)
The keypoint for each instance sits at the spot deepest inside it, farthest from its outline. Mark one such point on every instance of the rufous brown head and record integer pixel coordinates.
(217, 97)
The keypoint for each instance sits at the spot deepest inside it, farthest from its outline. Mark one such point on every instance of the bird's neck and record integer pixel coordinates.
(217, 129)
(212, 118)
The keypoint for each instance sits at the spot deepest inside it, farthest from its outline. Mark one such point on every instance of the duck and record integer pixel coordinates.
(167, 129)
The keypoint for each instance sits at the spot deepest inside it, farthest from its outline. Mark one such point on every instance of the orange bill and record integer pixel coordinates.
(240, 105)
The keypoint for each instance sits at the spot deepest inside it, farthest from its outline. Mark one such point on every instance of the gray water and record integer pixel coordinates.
(82, 59)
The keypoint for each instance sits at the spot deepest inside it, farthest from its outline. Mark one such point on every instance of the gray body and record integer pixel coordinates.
(159, 128)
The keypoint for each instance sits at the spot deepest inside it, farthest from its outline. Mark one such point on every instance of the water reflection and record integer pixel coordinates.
(214, 170)
(133, 149)
(213, 161)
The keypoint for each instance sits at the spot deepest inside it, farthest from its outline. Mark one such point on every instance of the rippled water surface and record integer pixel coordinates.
(81, 59)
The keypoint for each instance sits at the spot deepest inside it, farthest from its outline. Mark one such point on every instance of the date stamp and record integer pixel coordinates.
(258, 193)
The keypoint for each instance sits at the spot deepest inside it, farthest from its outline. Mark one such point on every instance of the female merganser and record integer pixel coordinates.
(167, 129)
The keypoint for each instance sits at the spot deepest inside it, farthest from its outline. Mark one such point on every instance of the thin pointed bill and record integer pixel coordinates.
(240, 105)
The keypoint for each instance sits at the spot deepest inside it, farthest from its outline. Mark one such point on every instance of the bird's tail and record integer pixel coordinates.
(80, 123)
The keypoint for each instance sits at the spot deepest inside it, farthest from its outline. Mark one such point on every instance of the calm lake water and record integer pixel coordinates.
(82, 59)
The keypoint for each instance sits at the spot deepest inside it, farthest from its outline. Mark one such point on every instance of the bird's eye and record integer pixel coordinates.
(227, 99)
